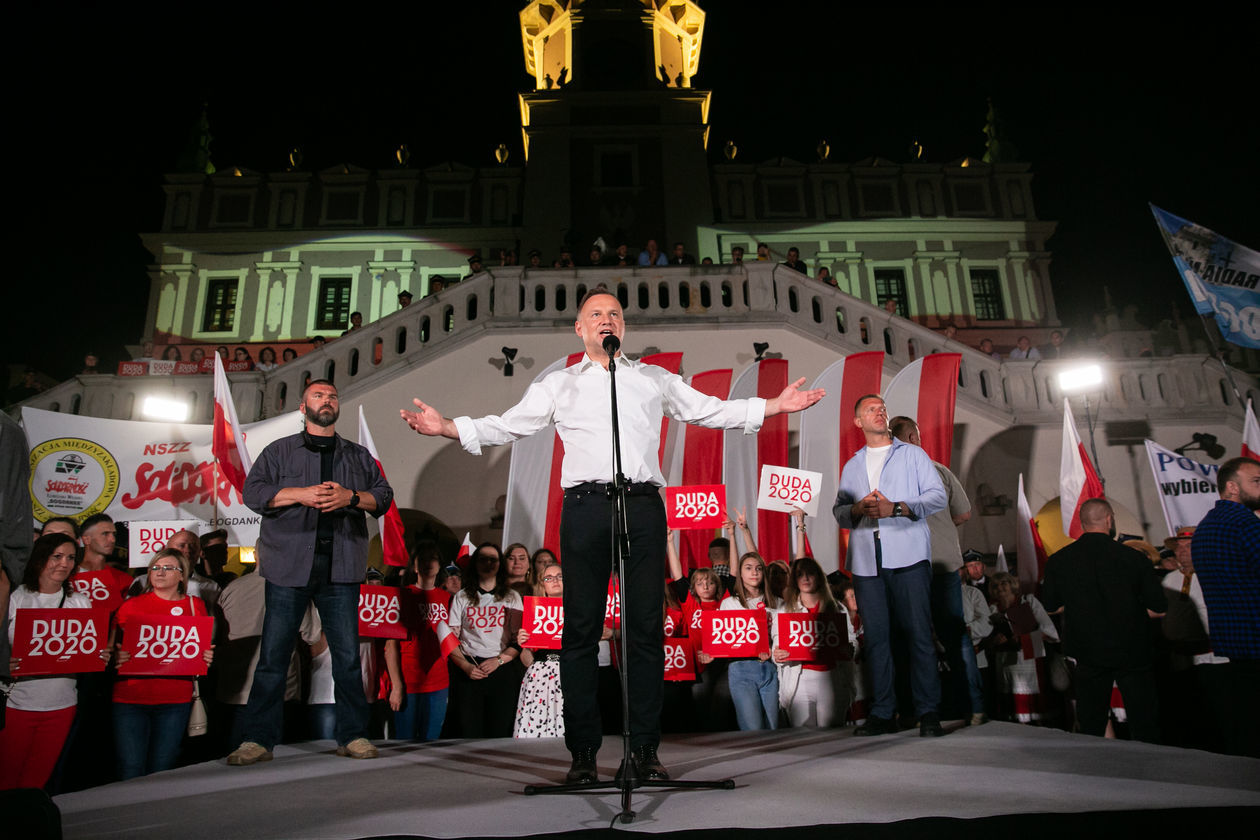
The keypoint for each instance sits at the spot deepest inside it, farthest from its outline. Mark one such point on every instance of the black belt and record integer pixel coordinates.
(604, 488)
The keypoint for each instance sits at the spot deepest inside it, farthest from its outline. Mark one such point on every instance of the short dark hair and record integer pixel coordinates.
(217, 533)
(309, 385)
(1229, 471)
(66, 519)
(601, 289)
(95, 519)
(898, 424)
(863, 399)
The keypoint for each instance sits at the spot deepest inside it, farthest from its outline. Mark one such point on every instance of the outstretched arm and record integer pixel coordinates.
(793, 399)
(427, 420)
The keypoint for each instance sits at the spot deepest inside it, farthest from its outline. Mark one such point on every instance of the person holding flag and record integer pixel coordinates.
(313, 490)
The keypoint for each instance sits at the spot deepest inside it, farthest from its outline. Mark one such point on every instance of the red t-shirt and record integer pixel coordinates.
(422, 663)
(106, 587)
(154, 690)
(692, 610)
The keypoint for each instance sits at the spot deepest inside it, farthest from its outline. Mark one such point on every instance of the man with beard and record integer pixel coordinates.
(1226, 551)
(312, 490)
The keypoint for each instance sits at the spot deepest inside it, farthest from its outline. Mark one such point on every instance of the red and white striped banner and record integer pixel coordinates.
(227, 440)
(393, 542)
(696, 458)
(829, 439)
(1032, 554)
(925, 391)
(746, 454)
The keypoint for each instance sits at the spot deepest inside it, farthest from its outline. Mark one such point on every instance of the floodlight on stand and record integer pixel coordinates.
(161, 408)
(760, 348)
(509, 356)
(1075, 380)
(1205, 443)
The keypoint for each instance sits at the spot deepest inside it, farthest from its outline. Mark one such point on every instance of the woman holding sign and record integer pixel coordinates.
(151, 711)
(540, 708)
(41, 709)
(485, 676)
(753, 681)
(419, 680)
(814, 690)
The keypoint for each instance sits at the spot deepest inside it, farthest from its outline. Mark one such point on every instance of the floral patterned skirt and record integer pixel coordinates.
(540, 710)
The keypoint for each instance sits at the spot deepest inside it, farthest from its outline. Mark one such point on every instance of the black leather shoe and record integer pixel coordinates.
(582, 770)
(930, 726)
(649, 766)
(876, 726)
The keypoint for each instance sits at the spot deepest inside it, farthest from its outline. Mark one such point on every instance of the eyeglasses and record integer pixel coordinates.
(552, 578)
(164, 568)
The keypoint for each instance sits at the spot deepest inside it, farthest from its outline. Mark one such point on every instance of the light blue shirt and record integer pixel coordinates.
(909, 477)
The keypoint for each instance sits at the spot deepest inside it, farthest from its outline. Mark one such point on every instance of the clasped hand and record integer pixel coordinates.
(874, 505)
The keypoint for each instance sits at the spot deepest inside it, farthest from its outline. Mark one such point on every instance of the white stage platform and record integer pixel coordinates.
(783, 779)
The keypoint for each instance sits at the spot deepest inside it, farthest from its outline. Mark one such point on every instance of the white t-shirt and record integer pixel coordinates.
(875, 457)
(480, 626)
(43, 694)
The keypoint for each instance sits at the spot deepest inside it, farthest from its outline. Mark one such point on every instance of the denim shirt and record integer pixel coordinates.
(286, 540)
(908, 476)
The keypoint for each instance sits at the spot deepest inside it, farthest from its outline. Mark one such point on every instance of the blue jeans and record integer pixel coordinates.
(755, 692)
(147, 737)
(338, 605)
(901, 595)
(421, 716)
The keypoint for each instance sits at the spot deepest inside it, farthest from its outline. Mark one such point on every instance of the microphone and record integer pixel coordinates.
(611, 345)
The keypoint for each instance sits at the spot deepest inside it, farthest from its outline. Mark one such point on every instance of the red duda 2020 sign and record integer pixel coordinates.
(59, 641)
(380, 612)
(695, 506)
(809, 637)
(544, 621)
(736, 634)
(166, 645)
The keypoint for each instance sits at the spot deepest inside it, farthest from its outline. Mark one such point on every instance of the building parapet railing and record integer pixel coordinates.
(1017, 391)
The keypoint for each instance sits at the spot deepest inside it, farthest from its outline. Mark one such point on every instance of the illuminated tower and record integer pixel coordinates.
(614, 134)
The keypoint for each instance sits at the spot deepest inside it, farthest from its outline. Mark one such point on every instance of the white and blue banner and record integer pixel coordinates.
(1221, 276)
(1187, 488)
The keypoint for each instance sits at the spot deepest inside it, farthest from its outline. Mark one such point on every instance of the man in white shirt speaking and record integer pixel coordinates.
(577, 400)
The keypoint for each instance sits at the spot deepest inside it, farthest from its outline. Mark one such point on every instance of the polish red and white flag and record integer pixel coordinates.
(1251, 434)
(745, 455)
(828, 439)
(693, 455)
(228, 441)
(1032, 554)
(925, 391)
(465, 551)
(393, 543)
(447, 640)
(1078, 480)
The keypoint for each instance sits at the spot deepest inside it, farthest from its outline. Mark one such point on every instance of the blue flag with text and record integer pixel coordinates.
(1221, 276)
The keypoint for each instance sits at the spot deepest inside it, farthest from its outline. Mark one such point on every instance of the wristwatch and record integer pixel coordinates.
(354, 500)
(897, 511)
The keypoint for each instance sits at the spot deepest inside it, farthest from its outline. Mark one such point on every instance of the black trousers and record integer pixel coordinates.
(1137, 687)
(586, 553)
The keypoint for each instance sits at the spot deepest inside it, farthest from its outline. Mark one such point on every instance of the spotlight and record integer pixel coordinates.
(1075, 380)
(509, 356)
(158, 408)
(1205, 443)
(760, 348)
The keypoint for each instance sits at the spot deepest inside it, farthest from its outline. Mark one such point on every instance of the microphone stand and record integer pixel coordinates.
(627, 778)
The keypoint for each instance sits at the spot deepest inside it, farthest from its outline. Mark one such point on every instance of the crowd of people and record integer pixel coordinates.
(495, 685)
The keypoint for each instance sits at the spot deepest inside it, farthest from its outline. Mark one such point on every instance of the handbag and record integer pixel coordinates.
(198, 720)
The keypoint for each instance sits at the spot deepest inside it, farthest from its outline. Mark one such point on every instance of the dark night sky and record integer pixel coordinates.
(1104, 121)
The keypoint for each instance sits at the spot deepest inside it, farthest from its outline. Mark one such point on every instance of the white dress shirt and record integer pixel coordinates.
(576, 399)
